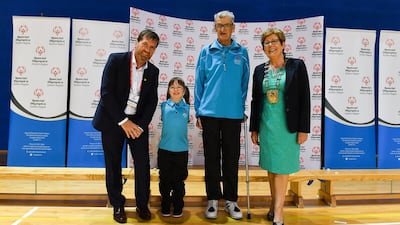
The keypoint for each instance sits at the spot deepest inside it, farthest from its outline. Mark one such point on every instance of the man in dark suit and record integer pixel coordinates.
(127, 104)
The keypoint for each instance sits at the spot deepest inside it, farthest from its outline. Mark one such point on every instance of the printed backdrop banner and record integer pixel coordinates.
(349, 99)
(180, 43)
(388, 100)
(39, 87)
(92, 42)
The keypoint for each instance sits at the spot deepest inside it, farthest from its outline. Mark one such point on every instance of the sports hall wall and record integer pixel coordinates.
(357, 14)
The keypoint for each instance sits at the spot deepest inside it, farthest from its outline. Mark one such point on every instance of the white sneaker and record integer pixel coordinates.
(233, 209)
(212, 209)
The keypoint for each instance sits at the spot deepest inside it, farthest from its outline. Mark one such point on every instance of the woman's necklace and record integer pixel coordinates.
(272, 77)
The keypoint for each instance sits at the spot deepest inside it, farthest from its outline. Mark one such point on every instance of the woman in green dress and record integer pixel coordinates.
(280, 116)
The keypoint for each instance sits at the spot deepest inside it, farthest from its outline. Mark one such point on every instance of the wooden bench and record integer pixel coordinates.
(196, 174)
(328, 177)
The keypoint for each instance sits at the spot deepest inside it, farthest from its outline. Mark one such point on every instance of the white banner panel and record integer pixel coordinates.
(349, 94)
(39, 88)
(180, 43)
(388, 100)
(92, 43)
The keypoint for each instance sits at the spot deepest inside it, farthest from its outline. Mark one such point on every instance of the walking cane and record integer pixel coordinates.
(246, 163)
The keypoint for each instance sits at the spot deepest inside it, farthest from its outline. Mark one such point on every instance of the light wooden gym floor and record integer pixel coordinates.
(355, 214)
(314, 213)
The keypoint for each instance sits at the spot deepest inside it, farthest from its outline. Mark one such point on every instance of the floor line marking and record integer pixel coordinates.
(25, 216)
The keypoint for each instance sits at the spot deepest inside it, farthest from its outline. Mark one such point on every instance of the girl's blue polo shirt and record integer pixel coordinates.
(175, 118)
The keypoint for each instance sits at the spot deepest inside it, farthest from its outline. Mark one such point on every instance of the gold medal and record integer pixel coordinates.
(272, 96)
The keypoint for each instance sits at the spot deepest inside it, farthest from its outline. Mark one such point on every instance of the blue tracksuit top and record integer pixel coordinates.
(222, 77)
(174, 133)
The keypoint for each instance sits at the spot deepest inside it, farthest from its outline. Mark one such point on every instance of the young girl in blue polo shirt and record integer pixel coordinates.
(173, 148)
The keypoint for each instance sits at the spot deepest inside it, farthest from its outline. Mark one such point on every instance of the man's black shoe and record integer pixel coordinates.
(119, 214)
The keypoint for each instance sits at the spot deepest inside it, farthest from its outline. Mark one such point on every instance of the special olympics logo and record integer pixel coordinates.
(57, 30)
(55, 71)
(163, 19)
(163, 97)
(203, 29)
(81, 71)
(317, 46)
(244, 43)
(365, 80)
(150, 22)
(38, 92)
(317, 67)
(389, 42)
(286, 29)
(40, 50)
(317, 89)
(316, 130)
(302, 57)
(352, 100)
(163, 37)
(135, 32)
(151, 127)
(178, 65)
(23, 29)
(301, 21)
(301, 40)
(101, 52)
(316, 150)
(118, 34)
(190, 40)
(177, 27)
(163, 76)
(83, 31)
(317, 109)
(352, 60)
(258, 49)
(177, 45)
(190, 59)
(271, 25)
(189, 23)
(335, 40)
(190, 79)
(389, 81)
(336, 79)
(135, 12)
(288, 48)
(163, 56)
(317, 26)
(97, 94)
(258, 30)
(21, 70)
(365, 42)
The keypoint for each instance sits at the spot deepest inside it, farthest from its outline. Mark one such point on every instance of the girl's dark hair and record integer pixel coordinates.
(186, 96)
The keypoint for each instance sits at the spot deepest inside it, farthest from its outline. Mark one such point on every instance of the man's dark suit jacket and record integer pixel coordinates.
(296, 96)
(115, 92)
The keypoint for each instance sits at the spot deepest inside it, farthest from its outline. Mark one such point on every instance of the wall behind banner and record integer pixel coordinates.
(360, 14)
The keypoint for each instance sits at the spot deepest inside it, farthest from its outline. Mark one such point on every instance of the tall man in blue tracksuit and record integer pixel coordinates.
(222, 76)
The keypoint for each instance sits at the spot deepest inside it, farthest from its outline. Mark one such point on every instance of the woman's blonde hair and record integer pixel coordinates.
(270, 31)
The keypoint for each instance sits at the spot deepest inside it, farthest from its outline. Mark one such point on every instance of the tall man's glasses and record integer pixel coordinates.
(220, 25)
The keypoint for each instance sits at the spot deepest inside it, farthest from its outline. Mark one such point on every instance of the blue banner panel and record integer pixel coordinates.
(388, 147)
(36, 143)
(349, 147)
(84, 145)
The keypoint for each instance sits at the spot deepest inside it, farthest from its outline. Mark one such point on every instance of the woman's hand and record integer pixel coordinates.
(254, 138)
(301, 137)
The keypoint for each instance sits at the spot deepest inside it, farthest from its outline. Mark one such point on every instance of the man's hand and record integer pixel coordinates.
(131, 129)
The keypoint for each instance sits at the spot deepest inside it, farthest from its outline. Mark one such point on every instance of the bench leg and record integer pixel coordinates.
(326, 193)
(295, 192)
